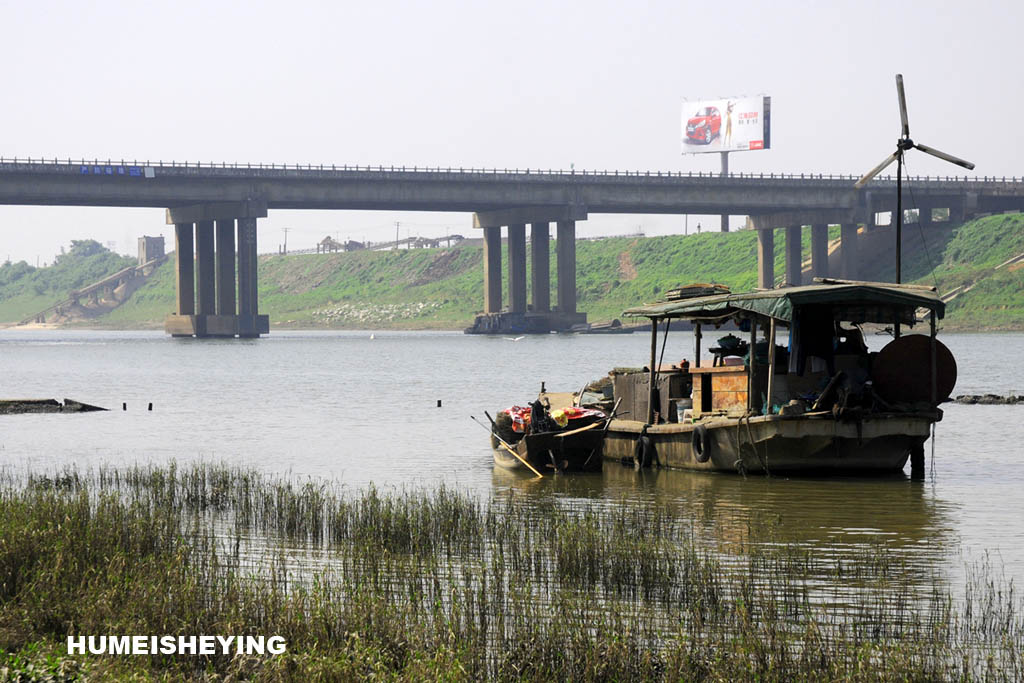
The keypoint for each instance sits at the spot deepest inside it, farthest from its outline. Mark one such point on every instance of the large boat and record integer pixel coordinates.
(821, 402)
(550, 435)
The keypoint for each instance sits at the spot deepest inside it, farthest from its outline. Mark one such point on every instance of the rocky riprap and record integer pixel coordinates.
(989, 399)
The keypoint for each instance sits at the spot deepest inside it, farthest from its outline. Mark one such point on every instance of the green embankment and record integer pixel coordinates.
(26, 290)
(443, 288)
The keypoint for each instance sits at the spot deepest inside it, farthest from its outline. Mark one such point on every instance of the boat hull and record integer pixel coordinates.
(548, 452)
(879, 443)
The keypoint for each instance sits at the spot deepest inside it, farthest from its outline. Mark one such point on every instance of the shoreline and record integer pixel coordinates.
(284, 326)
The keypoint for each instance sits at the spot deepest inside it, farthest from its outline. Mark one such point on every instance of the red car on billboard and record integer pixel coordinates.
(704, 126)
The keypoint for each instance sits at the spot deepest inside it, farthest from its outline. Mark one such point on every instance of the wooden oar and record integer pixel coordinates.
(509, 448)
(577, 431)
(607, 421)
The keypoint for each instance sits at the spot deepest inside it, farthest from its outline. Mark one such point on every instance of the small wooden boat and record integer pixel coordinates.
(569, 439)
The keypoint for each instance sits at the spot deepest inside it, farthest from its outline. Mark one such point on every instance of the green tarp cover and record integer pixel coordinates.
(780, 303)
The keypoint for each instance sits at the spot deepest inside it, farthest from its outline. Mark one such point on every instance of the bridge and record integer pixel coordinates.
(215, 205)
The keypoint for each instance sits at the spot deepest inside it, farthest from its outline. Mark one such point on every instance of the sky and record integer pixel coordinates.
(531, 84)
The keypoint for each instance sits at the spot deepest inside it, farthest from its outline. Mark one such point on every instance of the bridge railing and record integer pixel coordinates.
(561, 173)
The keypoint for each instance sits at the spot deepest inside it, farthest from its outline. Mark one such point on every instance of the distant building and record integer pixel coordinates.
(150, 248)
(328, 244)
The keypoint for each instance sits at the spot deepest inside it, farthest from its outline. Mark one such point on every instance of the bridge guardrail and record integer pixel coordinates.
(560, 173)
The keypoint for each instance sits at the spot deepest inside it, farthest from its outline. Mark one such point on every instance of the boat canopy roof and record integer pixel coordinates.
(879, 302)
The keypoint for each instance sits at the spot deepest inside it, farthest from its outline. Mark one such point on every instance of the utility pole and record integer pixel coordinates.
(725, 174)
(397, 225)
(286, 231)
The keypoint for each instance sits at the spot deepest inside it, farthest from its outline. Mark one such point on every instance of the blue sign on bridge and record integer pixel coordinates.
(133, 171)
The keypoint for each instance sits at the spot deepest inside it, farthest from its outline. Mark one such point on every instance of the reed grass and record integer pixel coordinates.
(439, 584)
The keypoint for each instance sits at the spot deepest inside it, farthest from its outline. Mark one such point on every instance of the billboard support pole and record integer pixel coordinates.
(725, 174)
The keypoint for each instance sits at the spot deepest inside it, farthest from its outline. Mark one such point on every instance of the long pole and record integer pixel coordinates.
(505, 445)
(934, 362)
(899, 228)
(899, 217)
(771, 363)
(752, 369)
(654, 371)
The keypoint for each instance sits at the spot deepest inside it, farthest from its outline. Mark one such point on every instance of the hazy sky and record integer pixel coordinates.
(524, 84)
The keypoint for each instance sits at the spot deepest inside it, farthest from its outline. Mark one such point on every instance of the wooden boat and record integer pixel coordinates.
(545, 446)
(822, 403)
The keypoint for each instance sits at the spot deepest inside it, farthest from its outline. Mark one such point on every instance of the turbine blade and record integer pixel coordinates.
(875, 171)
(947, 157)
(903, 105)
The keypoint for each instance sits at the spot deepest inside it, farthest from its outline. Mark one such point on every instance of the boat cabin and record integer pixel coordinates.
(802, 350)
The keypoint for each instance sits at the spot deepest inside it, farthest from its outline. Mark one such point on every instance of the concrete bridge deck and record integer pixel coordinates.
(163, 185)
(200, 196)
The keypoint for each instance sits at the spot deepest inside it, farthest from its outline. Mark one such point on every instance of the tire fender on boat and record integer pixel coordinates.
(700, 441)
(642, 450)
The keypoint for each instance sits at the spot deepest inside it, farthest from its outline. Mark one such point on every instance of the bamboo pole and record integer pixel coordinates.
(559, 435)
(934, 363)
(771, 362)
(517, 456)
(752, 368)
(507, 447)
(654, 371)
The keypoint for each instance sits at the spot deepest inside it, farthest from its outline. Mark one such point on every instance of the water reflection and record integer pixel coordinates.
(835, 519)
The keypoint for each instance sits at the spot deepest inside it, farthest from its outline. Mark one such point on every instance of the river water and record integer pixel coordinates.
(358, 409)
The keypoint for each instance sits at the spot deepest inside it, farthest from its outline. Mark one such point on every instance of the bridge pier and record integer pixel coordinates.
(492, 269)
(540, 266)
(225, 233)
(206, 278)
(766, 258)
(848, 250)
(924, 216)
(518, 317)
(565, 259)
(184, 270)
(794, 257)
(206, 294)
(792, 223)
(819, 250)
(517, 267)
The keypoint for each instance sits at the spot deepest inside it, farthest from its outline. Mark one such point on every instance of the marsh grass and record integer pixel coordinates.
(438, 584)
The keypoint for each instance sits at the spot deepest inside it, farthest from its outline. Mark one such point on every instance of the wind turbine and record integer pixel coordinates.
(902, 145)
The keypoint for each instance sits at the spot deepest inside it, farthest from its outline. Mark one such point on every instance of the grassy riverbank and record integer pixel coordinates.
(442, 288)
(441, 585)
(25, 290)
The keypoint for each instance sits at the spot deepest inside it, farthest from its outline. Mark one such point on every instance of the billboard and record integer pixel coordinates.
(731, 124)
